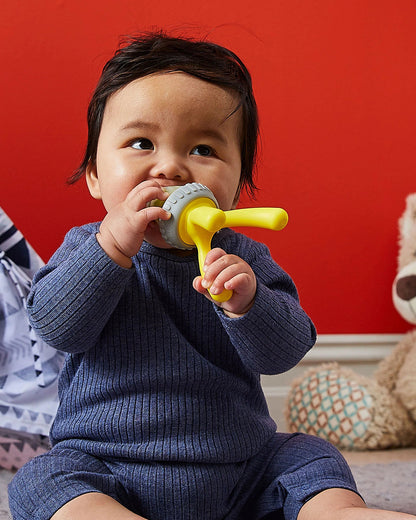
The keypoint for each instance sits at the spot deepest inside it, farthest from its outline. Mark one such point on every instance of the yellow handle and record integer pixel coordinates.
(198, 222)
(202, 239)
(267, 218)
(201, 219)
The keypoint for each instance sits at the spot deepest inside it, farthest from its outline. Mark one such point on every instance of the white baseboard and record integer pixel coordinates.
(361, 351)
(351, 348)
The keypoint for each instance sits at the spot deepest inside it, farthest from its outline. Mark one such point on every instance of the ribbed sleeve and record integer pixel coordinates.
(275, 335)
(294, 335)
(73, 297)
(154, 370)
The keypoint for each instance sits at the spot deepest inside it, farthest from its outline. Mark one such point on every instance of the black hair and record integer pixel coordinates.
(157, 52)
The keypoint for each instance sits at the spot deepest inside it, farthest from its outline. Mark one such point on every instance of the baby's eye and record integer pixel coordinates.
(202, 149)
(142, 144)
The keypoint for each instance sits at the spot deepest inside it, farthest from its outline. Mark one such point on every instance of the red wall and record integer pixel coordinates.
(335, 83)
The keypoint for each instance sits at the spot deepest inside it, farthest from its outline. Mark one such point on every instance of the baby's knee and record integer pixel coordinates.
(46, 483)
(23, 490)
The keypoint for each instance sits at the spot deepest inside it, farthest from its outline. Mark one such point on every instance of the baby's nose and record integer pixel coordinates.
(169, 167)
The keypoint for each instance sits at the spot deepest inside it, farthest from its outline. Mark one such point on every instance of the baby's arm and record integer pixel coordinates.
(74, 295)
(276, 333)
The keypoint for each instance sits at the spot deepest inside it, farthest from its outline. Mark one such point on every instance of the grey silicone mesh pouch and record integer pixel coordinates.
(175, 203)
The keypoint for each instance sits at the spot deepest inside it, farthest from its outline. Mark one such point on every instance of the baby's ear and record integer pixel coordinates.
(92, 180)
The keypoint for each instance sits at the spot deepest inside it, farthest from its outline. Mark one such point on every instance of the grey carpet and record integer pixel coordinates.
(5, 477)
(384, 486)
(388, 486)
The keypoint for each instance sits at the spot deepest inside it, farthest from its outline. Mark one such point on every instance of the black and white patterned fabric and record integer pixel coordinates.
(28, 367)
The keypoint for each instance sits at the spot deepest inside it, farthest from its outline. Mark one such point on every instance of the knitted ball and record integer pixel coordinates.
(330, 406)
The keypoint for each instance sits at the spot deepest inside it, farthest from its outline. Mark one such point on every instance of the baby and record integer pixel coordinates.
(162, 415)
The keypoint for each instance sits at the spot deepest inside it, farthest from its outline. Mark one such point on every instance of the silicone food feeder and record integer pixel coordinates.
(196, 217)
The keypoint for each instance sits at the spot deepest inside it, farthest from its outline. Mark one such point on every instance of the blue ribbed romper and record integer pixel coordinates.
(160, 399)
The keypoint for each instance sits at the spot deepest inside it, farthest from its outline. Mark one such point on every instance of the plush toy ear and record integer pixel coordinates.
(407, 228)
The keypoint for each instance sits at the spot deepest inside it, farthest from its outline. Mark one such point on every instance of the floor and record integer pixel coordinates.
(380, 457)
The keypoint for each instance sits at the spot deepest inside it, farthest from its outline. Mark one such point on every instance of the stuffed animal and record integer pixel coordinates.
(355, 412)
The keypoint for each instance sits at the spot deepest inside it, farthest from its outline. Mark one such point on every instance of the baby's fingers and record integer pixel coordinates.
(149, 214)
(228, 276)
(216, 260)
(224, 271)
(144, 193)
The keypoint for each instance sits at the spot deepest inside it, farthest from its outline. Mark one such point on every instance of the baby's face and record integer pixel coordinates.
(171, 127)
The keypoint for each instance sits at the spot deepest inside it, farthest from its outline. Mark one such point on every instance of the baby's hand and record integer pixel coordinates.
(224, 271)
(122, 229)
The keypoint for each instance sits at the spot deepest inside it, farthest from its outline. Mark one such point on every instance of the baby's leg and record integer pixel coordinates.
(342, 504)
(94, 506)
(61, 484)
(308, 479)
